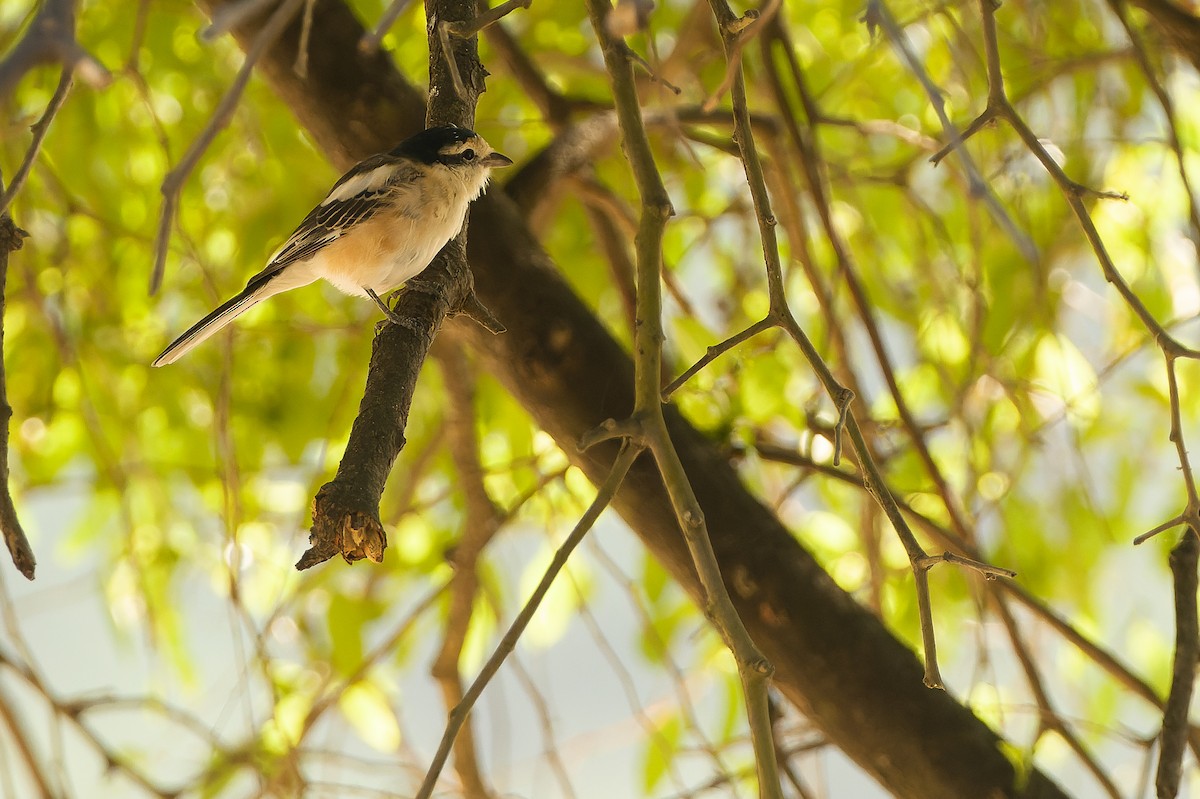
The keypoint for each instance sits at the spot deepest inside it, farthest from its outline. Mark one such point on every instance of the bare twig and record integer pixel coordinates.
(780, 314)
(741, 31)
(23, 741)
(228, 17)
(1072, 191)
(40, 129)
(369, 42)
(1037, 607)
(878, 11)
(1049, 717)
(443, 32)
(874, 480)
(1169, 524)
(51, 38)
(465, 30)
(480, 525)
(716, 351)
(988, 117)
(988, 571)
(305, 35)
(648, 420)
(173, 183)
(458, 715)
(636, 58)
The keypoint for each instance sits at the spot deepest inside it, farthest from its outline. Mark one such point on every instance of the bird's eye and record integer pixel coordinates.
(468, 155)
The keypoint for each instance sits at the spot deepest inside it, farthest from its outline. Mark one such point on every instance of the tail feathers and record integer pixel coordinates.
(210, 324)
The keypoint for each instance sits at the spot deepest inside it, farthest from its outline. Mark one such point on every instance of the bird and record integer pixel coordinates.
(378, 227)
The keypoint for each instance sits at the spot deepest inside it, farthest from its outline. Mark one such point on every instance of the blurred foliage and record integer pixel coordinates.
(1040, 396)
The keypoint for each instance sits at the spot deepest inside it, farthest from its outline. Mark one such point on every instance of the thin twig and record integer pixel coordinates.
(481, 523)
(987, 570)
(780, 314)
(40, 129)
(51, 38)
(980, 122)
(306, 24)
(1071, 190)
(716, 351)
(878, 11)
(23, 741)
(458, 715)
(753, 668)
(842, 396)
(874, 480)
(945, 537)
(465, 30)
(1169, 524)
(742, 30)
(653, 74)
(174, 181)
(230, 16)
(443, 32)
(1050, 718)
(369, 43)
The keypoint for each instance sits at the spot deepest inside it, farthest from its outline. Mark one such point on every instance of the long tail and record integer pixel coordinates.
(267, 283)
(229, 310)
(255, 293)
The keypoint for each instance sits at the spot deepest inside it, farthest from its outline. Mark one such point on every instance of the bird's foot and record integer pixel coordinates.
(391, 317)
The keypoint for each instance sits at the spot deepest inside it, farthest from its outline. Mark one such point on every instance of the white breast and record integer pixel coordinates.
(396, 245)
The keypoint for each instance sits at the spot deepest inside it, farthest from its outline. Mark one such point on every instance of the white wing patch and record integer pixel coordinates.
(367, 182)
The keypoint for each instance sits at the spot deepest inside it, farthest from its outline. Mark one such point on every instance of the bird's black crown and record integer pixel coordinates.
(427, 145)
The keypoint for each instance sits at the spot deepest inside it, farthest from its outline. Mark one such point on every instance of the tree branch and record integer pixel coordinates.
(753, 669)
(11, 239)
(40, 129)
(832, 658)
(346, 510)
(51, 38)
(1175, 727)
(174, 181)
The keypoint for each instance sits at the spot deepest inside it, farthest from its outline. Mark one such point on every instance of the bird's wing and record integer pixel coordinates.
(354, 199)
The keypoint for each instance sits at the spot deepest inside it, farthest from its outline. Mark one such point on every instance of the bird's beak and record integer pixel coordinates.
(495, 160)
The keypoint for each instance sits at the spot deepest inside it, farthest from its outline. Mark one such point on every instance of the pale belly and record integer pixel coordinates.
(387, 250)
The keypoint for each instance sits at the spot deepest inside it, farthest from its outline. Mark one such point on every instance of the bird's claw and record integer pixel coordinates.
(391, 317)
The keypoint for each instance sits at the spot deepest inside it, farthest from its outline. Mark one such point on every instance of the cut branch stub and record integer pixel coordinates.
(346, 509)
(339, 529)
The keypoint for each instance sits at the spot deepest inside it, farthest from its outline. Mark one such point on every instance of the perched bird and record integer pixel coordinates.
(379, 226)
